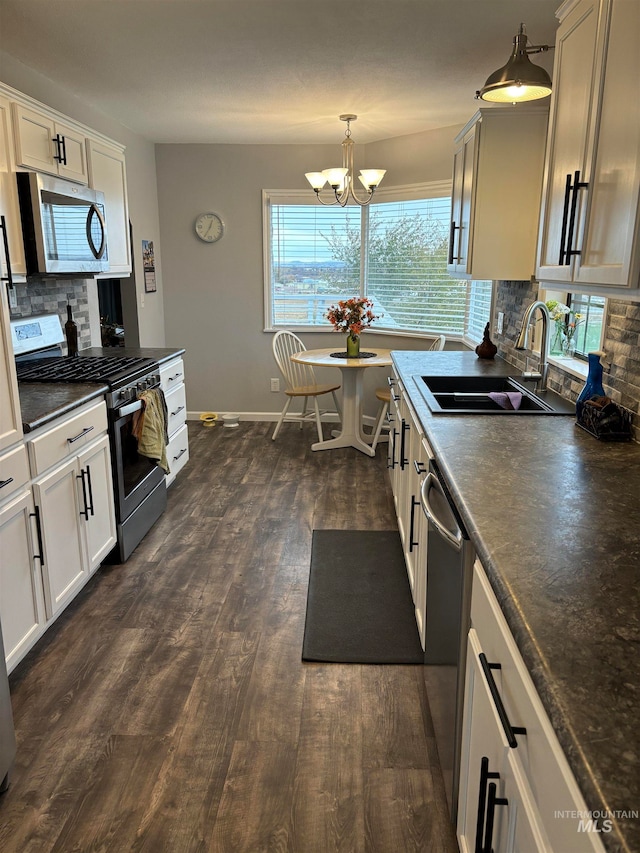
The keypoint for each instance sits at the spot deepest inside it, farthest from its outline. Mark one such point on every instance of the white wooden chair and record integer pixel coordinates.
(384, 396)
(300, 381)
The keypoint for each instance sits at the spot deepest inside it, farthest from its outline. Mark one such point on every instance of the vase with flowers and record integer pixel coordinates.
(566, 324)
(352, 316)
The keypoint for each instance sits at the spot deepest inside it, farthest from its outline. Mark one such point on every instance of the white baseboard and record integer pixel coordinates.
(273, 417)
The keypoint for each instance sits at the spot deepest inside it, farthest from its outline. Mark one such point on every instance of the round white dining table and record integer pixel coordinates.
(350, 434)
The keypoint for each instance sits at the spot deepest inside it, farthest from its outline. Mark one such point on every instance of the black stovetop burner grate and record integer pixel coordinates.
(107, 369)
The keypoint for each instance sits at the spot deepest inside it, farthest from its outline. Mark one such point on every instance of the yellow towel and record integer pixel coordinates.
(150, 427)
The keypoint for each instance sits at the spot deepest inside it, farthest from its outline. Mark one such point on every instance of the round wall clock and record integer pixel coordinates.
(209, 227)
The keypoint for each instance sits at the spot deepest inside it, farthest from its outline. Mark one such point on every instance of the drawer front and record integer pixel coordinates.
(171, 375)
(67, 438)
(177, 453)
(14, 471)
(538, 752)
(176, 408)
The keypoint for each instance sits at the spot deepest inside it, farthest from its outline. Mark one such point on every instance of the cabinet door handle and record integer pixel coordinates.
(492, 802)
(577, 185)
(9, 276)
(179, 409)
(403, 459)
(419, 466)
(414, 504)
(485, 775)
(61, 156)
(391, 381)
(394, 436)
(184, 450)
(36, 515)
(6, 482)
(452, 236)
(82, 476)
(565, 219)
(509, 730)
(80, 435)
(90, 490)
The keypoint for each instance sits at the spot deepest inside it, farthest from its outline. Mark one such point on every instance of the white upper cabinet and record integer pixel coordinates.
(10, 415)
(107, 173)
(11, 253)
(590, 222)
(495, 200)
(49, 146)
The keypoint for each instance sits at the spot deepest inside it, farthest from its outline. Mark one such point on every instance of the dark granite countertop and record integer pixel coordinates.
(554, 516)
(42, 403)
(159, 354)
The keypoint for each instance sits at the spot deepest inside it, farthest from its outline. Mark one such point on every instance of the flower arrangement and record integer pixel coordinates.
(566, 322)
(352, 316)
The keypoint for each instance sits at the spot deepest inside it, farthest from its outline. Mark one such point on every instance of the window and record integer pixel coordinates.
(589, 331)
(394, 251)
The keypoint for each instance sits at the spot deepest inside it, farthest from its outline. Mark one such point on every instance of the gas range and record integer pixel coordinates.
(126, 376)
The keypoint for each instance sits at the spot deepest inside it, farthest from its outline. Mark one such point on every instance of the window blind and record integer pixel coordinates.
(315, 260)
(393, 251)
(479, 294)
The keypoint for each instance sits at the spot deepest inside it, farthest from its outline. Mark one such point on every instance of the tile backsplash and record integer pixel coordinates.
(621, 378)
(49, 296)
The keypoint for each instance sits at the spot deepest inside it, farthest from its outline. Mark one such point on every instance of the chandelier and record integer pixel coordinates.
(341, 180)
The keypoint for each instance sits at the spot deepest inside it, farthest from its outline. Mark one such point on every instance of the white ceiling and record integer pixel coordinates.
(273, 71)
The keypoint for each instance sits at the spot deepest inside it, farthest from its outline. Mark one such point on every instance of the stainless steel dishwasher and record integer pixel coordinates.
(7, 734)
(450, 557)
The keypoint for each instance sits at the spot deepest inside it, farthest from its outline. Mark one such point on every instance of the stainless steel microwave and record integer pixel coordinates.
(63, 225)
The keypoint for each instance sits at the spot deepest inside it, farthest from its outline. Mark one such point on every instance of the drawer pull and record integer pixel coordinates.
(509, 730)
(6, 482)
(420, 467)
(179, 409)
(36, 515)
(80, 434)
(184, 450)
(174, 377)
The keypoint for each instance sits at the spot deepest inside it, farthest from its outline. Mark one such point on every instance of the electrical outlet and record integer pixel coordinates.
(500, 326)
(275, 384)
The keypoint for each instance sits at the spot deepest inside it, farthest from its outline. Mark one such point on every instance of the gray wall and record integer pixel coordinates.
(145, 323)
(213, 293)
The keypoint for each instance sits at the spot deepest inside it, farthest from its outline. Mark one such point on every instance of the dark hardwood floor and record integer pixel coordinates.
(168, 709)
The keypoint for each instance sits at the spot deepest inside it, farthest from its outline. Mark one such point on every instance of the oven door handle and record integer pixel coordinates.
(129, 409)
(431, 480)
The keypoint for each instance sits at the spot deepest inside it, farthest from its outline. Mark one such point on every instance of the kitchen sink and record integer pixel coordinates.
(449, 395)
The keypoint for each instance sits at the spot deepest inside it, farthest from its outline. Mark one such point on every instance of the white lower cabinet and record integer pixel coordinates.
(22, 611)
(172, 384)
(73, 495)
(64, 568)
(497, 811)
(517, 791)
(100, 520)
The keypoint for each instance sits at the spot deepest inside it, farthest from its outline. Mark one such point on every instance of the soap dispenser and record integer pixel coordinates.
(593, 385)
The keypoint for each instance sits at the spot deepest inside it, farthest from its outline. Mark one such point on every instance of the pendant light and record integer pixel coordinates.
(341, 179)
(518, 80)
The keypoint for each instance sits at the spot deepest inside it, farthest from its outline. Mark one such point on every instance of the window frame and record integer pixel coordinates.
(408, 192)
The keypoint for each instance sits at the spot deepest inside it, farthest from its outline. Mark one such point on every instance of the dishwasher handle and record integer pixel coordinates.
(456, 539)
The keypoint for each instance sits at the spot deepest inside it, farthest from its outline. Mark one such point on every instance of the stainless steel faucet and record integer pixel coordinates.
(523, 340)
